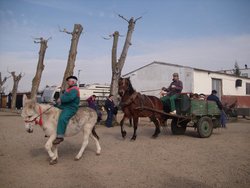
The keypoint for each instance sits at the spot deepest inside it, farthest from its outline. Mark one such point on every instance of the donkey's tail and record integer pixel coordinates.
(94, 133)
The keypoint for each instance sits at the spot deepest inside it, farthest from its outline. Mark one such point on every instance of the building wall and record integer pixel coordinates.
(203, 83)
(150, 79)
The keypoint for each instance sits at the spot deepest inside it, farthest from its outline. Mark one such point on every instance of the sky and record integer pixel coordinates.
(204, 34)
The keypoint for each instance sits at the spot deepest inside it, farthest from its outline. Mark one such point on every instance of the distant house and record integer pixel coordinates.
(150, 78)
(243, 72)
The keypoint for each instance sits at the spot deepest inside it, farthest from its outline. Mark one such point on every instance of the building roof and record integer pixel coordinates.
(181, 66)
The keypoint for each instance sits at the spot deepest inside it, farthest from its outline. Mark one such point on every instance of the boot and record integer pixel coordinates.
(58, 141)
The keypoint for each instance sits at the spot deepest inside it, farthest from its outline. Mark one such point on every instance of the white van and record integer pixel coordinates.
(50, 94)
(102, 91)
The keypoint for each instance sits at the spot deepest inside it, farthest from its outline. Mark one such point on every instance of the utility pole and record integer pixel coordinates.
(79, 71)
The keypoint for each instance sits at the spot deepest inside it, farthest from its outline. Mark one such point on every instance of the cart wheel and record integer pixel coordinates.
(178, 129)
(205, 127)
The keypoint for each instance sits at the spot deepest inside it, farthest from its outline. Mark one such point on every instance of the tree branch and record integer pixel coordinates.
(41, 39)
(137, 19)
(131, 19)
(110, 36)
(123, 18)
(65, 31)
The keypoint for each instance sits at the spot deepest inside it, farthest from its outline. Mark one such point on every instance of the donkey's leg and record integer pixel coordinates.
(48, 147)
(86, 133)
(55, 150)
(98, 147)
(135, 121)
(122, 130)
(157, 127)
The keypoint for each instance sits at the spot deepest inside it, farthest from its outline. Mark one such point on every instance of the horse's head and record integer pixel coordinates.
(124, 85)
(29, 113)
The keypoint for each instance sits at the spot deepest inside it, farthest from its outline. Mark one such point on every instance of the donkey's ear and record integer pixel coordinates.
(25, 98)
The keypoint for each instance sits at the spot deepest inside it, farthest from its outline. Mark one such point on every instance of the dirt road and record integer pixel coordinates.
(223, 160)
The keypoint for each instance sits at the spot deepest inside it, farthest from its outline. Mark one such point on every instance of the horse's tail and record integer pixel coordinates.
(94, 133)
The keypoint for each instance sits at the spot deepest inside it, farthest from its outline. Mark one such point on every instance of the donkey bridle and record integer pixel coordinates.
(40, 122)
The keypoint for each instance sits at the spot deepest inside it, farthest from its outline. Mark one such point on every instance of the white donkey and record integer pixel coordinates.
(47, 116)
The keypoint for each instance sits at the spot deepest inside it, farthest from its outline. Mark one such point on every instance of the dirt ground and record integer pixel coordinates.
(223, 160)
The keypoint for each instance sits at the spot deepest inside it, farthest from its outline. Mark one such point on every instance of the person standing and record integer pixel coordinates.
(109, 107)
(68, 102)
(173, 92)
(213, 97)
(92, 104)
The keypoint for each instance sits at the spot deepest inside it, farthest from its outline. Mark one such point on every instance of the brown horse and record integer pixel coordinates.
(135, 105)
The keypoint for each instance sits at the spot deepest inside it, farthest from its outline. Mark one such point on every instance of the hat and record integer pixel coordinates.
(176, 74)
(214, 91)
(71, 77)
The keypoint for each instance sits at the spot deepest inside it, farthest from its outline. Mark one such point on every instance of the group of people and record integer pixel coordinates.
(109, 106)
(69, 101)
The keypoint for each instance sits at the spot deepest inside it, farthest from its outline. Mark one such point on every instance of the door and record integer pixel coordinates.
(217, 85)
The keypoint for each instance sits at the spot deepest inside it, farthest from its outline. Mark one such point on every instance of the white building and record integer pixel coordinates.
(150, 78)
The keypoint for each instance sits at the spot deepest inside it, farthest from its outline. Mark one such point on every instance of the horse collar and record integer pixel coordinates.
(130, 99)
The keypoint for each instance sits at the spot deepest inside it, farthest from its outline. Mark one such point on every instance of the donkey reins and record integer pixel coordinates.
(40, 122)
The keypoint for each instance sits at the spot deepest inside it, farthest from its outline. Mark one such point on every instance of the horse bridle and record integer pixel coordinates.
(133, 96)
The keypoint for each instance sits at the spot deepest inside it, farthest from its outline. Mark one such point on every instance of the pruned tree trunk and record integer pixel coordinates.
(72, 53)
(16, 80)
(118, 65)
(116, 68)
(40, 67)
(2, 82)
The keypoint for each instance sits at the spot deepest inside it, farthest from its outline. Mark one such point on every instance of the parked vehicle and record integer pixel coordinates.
(101, 91)
(52, 93)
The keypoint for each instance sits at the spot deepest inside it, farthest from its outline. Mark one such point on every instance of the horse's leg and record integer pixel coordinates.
(130, 122)
(98, 147)
(86, 133)
(135, 122)
(122, 130)
(157, 126)
(48, 147)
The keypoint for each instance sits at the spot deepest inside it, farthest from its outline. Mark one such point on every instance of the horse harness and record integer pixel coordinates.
(142, 99)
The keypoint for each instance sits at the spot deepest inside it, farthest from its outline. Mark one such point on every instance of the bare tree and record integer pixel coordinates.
(72, 53)
(236, 69)
(2, 82)
(117, 65)
(16, 80)
(40, 66)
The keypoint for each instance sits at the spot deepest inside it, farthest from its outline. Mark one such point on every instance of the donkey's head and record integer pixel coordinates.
(29, 113)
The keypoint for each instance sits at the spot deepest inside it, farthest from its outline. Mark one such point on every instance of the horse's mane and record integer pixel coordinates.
(131, 90)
